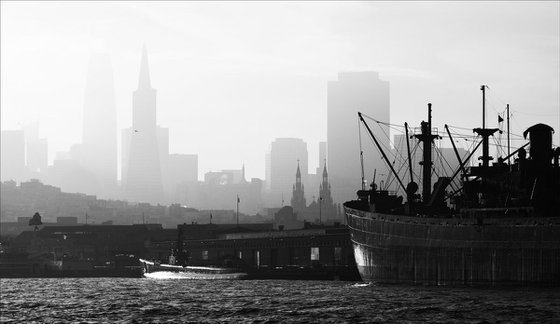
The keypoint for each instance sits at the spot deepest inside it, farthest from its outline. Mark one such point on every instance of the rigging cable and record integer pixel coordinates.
(361, 154)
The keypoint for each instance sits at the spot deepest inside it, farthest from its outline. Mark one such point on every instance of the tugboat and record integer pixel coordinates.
(177, 268)
(158, 270)
(502, 226)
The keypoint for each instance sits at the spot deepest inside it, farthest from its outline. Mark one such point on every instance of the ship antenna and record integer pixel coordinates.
(483, 88)
(509, 147)
(361, 154)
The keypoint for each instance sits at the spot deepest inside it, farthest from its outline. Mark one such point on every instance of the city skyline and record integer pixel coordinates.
(215, 72)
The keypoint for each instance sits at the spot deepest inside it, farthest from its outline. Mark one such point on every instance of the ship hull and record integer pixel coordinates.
(448, 251)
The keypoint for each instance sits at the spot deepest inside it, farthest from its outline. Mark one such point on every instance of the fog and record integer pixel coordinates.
(231, 77)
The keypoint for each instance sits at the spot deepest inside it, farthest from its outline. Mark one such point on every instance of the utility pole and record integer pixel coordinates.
(237, 213)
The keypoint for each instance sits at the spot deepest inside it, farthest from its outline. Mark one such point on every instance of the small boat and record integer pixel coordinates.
(171, 271)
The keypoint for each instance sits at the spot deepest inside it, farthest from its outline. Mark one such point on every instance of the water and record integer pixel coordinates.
(102, 300)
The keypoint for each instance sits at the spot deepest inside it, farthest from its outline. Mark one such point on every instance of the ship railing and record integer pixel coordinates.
(387, 192)
(477, 217)
(418, 130)
(497, 212)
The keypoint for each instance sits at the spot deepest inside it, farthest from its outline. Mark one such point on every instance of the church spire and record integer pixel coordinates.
(144, 80)
(325, 196)
(298, 195)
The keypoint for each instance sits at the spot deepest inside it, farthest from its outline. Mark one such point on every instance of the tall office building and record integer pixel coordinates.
(36, 151)
(13, 155)
(143, 178)
(322, 154)
(183, 167)
(355, 92)
(178, 171)
(99, 138)
(282, 156)
(162, 134)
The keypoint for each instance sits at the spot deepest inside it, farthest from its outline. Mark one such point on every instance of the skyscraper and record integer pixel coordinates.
(355, 92)
(36, 151)
(283, 154)
(13, 155)
(322, 154)
(143, 181)
(99, 140)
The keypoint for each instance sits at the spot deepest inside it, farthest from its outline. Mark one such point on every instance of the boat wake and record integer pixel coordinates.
(364, 284)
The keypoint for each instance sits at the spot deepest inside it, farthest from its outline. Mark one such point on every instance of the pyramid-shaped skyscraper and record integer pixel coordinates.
(142, 177)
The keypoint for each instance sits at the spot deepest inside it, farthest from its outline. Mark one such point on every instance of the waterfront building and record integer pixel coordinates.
(311, 252)
(286, 219)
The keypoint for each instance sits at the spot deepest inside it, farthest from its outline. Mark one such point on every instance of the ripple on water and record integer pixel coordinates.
(96, 300)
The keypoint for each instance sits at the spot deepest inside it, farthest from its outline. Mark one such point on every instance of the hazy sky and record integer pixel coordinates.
(233, 76)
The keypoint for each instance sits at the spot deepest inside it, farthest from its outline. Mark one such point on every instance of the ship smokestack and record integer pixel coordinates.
(540, 140)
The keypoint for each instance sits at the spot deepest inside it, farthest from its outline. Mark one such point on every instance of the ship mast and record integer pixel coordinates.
(484, 132)
(426, 137)
(509, 148)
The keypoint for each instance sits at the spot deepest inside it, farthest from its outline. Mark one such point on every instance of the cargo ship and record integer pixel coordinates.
(500, 227)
